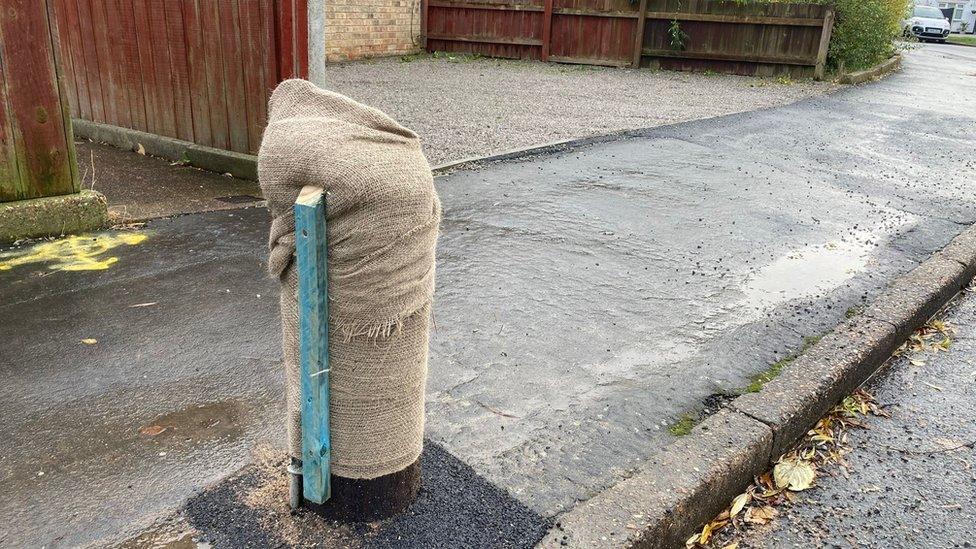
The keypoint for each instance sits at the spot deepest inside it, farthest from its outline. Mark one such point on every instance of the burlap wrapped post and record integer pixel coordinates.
(383, 216)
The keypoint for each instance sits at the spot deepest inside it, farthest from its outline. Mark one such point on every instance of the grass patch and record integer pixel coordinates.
(775, 369)
(966, 40)
(684, 425)
(853, 310)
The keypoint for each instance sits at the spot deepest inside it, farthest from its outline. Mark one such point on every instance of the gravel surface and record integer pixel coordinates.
(910, 480)
(474, 107)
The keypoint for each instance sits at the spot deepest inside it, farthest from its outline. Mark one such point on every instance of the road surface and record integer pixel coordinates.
(586, 300)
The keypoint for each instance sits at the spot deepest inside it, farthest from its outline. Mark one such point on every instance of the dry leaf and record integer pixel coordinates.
(733, 545)
(760, 515)
(140, 149)
(151, 430)
(793, 475)
(89, 341)
(738, 503)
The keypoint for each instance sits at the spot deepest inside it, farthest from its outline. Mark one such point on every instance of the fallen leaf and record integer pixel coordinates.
(140, 149)
(89, 341)
(151, 430)
(760, 515)
(733, 545)
(793, 475)
(738, 503)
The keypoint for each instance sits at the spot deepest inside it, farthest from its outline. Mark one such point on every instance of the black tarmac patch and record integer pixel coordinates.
(455, 508)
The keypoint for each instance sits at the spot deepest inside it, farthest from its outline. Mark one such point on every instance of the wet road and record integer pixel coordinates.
(585, 300)
(910, 480)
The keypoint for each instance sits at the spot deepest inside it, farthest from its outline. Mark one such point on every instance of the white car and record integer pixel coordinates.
(927, 23)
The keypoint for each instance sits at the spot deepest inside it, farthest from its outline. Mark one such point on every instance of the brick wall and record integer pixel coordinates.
(355, 29)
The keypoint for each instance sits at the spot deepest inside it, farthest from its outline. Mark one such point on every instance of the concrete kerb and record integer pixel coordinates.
(859, 77)
(52, 216)
(244, 166)
(672, 495)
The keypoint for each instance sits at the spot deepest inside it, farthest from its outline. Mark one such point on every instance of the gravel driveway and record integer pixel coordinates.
(465, 107)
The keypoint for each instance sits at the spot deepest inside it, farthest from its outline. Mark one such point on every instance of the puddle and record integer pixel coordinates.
(204, 422)
(167, 535)
(807, 272)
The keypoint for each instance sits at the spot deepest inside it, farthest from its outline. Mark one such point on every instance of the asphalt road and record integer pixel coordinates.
(585, 301)
(910, 480)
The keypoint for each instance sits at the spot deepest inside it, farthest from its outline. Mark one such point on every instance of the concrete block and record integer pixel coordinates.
(52, 216)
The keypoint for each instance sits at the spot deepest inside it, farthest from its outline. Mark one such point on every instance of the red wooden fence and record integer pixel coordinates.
(196, 70)
(738, 37)
(37, 157)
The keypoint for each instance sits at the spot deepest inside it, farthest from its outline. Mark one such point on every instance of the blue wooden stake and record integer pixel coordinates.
(313, 313)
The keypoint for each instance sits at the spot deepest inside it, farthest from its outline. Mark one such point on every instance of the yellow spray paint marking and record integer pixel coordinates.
(75, 253)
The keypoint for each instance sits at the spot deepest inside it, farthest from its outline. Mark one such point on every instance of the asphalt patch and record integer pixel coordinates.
(455, 508)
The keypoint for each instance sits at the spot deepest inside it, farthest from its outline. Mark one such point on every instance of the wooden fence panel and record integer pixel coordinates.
(196, 70)
(742, 38)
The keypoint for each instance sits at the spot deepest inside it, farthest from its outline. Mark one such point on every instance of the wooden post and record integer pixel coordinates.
(37, 153)
(311, 249)
(639, 34)
(546, 30)
(424, 9)
(333, 496)
(825, 32)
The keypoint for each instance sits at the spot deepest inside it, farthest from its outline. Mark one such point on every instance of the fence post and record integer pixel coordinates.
(546, 30)
(424, 9)
(825, 32)
(37, 151)
(639, 34)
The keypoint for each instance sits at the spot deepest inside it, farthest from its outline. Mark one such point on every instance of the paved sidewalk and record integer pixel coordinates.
(140, 187)
(911, 479)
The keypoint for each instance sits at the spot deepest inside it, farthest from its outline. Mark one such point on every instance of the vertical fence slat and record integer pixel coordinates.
(300, 24)
(67, 58)
(254, 93)
(233, 82)
(87, 38)
(217, 104)
(147, 70)
(71, 34)
(164, 105)
(197, 73)
(546, 30)
(112, 93)
(179, 69)
(286, 38)
(128, 54)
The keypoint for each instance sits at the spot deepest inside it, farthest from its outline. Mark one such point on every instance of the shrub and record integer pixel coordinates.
(864, 31)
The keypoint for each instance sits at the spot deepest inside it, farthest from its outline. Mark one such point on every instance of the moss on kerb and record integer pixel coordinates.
(775, 369)
(684, 425)
(712, 403)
